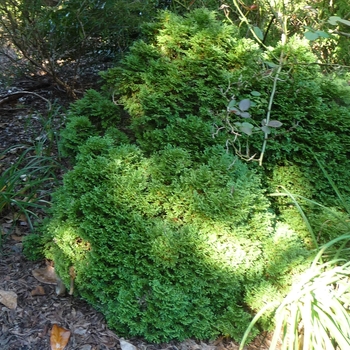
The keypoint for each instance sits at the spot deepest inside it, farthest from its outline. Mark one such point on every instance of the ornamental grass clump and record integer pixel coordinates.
(164, 245)
(25, 183)
(314, 314)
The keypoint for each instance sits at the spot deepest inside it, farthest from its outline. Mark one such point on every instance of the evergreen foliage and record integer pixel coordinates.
(166, 246)
(177, 73)
(174, 237)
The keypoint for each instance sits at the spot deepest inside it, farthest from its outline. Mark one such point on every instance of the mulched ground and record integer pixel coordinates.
(29, 325)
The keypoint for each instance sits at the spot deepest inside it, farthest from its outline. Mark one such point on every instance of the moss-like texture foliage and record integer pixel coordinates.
(173, 236)
(178, 73)
(93, 115)
(166, 246)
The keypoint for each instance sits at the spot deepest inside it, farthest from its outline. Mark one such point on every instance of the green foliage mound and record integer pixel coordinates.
(176, 85)
(92, 115)
(167, 245)
(177, 73)
(315, 111)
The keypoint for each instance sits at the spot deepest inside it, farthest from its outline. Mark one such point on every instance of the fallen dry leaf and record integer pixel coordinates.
(8, 298)
(45, 275)
(59, 337)
(39, 290)
(17, 238)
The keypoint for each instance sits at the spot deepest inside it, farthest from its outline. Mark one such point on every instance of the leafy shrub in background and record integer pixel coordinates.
(167, 246)
(52, 35)
(328, 40)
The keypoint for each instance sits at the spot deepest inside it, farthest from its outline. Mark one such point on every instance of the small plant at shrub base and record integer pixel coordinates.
(33, 249)
(22, 183)
(163, 245)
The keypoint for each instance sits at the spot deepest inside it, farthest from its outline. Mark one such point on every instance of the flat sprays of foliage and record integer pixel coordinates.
(166, 246)
(176, 85)
(171, 82)
(174, 237)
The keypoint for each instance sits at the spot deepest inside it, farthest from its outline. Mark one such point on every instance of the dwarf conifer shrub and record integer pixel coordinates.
(173, 85)
(165, 246)
(177, 72)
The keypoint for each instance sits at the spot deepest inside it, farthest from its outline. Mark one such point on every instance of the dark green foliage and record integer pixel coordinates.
(33, 247)
(164, 245)
(101, 111)
(92, 115)
(178, 73)
(52, 34)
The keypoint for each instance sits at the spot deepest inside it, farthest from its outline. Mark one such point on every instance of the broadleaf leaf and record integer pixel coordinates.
(333, 20)
(344, 21)
(244, 104)
(247, 128)
(255, 93)
(311, 35)
(235, 110)
(231, 104)
(245, 115)
(266, 129)
(274, 124)
(258, 33)
(59, 337)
